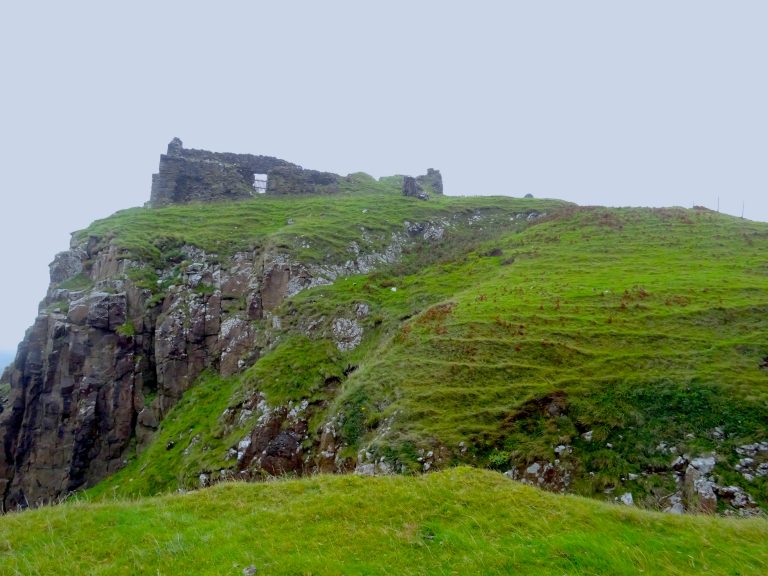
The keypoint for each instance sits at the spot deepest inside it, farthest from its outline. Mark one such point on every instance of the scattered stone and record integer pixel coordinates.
(752, 449)
(242, 448)
(563, 449)
(533, 469)
(588, 436)
(549, 475)
(347, 334)
(414, 228)
(434, 231)
(380, 468)
(249, 571)
(627, 499)
(705, 488)
(755, 465)
(366, 469)
(745, 463)
(679, 464)
(705, 465)
(675, 504)
(736, 497)
(699, 488)
(362, 310)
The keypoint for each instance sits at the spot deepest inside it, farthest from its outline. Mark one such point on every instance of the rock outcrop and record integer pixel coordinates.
(74, 389)
(110, 354)
(103, 365)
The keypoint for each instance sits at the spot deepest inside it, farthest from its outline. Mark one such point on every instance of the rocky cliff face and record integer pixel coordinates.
(182, 356)
(118, 340)
(110, 354)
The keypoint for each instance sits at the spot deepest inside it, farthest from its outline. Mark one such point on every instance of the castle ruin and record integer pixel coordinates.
(188, 175)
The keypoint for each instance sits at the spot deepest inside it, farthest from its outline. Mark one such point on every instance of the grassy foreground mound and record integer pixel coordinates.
(459, 521)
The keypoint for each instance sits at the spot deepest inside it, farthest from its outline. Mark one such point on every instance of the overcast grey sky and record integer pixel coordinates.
(597, 102)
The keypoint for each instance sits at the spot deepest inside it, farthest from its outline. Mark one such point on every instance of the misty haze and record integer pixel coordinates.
(398, 289)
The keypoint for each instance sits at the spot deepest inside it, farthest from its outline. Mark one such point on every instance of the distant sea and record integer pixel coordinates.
(5, 359)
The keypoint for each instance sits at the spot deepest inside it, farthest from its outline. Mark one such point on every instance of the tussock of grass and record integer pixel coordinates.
(461, 521)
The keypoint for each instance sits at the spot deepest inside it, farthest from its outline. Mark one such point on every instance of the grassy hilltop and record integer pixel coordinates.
(645, 327)
(598, 344)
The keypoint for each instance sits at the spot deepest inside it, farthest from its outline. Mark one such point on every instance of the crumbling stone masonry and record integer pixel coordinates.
(188, 175)
(422, 186)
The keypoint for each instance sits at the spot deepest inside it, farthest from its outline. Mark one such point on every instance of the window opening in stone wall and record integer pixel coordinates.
(260, 183)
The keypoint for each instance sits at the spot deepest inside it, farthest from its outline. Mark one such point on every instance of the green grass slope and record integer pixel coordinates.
(646, 327)
(460, 521)
(642, 326)
(298, 367)
(313, 228)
